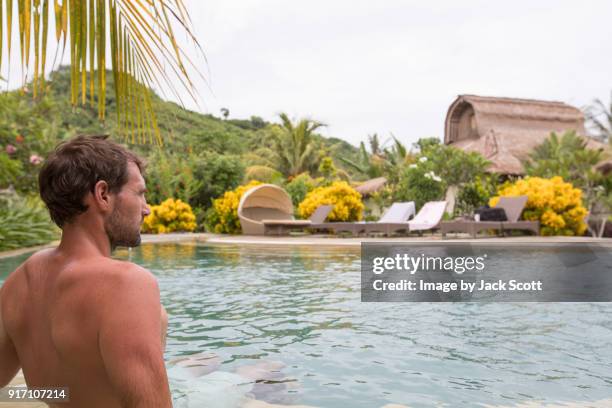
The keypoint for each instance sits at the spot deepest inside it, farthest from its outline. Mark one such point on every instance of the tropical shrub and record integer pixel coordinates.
(222, 217)
(327, 169)
(262, 173)
(216, 174)
(9, 170)
(379, 200)
(567, 156)
(170, 176)
(554, 202)
(301, 185)
(24, 222)
(418, 184)
(170, 216)
(475, 194)
(452, 165)
(345, 199)
(195, 179)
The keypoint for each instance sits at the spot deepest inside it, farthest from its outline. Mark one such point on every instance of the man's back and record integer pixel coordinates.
(56, 308)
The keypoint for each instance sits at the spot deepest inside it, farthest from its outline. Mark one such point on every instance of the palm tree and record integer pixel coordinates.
(568, 156)
(294, 146)
(600, 117)
(368, 164)
(374, 143)
(141, 36)
(379, 160)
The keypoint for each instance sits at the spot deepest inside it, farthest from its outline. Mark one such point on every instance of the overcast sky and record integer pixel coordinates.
(395, 66)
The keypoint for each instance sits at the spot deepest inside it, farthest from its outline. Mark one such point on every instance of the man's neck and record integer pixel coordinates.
(85, 240)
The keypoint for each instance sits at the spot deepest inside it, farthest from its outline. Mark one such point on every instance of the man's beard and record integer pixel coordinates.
(120, 232)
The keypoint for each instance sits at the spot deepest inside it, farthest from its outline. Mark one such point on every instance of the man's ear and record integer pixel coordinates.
(101, 196)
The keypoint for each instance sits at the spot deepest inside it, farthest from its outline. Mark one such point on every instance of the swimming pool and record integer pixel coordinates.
(286, 326)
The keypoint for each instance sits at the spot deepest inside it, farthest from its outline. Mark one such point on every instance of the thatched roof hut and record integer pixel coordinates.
(371, 186)
(505, 130)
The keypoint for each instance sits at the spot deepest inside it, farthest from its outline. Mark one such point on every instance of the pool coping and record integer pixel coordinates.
(329, 241)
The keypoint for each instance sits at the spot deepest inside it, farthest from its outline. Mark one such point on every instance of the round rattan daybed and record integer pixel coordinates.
(263, 202)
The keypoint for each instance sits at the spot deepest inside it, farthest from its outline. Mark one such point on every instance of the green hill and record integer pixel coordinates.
(181, 129)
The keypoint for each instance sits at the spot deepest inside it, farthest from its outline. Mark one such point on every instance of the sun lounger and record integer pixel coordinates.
(428, 218)
(513, 207)
(283, 226)
(398, 212)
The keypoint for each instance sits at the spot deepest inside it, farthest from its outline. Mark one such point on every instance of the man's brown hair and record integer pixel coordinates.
(74, 168)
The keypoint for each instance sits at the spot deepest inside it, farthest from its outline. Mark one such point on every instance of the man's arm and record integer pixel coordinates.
(9, 365)
(129, 339)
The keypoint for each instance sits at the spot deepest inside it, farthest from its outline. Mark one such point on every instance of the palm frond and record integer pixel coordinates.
(142, 41)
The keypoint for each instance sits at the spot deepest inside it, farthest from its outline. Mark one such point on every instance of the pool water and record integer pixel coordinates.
(285, 325)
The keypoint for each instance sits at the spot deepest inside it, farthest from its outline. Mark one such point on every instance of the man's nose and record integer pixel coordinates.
(147, 210)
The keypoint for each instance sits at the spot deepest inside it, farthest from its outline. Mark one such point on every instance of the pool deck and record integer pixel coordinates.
(332, 241)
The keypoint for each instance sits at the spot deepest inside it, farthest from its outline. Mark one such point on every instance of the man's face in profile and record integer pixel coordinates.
(123, 224)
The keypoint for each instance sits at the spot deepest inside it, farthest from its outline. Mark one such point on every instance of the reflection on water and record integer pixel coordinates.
(286, 325)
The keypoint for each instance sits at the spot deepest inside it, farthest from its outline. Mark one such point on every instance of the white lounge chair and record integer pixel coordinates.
(428, 217)
(398, 212)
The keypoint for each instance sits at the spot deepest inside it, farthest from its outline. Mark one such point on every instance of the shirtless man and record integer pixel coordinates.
(73, 317)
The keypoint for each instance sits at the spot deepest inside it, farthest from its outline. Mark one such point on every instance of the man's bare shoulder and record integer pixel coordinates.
(118, 278)
(115, 274)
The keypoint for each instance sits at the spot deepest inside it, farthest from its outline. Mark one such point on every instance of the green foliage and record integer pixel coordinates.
(437, 167)
(393, 160)
(475, 194)
(379, 161)
(195, 179)
(568, 157)
(379, 200)
(300, 186)
(366, 164)
(453, 165)
(9, 170)
(419, 184)
(28, 131)
(170, 177)
(426, 143)
(254, 123)
(24, 222)
(294, 146)
(327, 169)
(264, 174)
(599, 116)
(215, 174)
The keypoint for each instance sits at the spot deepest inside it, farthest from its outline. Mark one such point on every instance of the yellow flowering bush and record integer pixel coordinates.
(346, 200)
(171, 215)
(222, 217)
(554, 202)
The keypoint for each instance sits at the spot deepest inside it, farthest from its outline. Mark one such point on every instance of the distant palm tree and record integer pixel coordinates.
(225, 112)
(600, 117)
(141, 37)
(294, 146)
(379, 160)
(366, 163)
(374, 143)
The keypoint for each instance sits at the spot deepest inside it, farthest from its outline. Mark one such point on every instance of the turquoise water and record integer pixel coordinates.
(291, 318)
